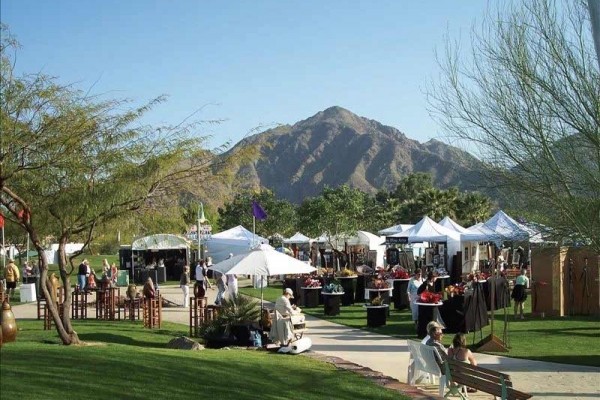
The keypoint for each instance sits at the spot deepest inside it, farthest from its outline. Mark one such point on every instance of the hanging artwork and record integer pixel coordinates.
(429, 257)
(441, 249)
(466, 254)
(436, 260)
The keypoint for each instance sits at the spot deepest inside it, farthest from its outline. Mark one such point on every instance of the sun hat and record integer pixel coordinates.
(290, 292)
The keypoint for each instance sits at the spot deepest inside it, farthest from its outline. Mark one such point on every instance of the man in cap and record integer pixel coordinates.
(282, 330)
(434, 329)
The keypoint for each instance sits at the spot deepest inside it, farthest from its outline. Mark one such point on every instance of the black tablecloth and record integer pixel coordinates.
(349, 285)
(426, 315)
(377, 316)
(295, 284)
(311, 297)
(399, 294)
(501, 295)
(464, 313)
(331, 303)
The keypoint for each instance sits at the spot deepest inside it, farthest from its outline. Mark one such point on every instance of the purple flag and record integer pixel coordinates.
(257, 211)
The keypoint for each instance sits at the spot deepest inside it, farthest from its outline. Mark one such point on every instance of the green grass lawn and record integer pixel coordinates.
(532, 338)
(125, 361)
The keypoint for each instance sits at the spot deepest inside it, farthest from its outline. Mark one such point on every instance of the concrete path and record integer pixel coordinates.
(389, 355)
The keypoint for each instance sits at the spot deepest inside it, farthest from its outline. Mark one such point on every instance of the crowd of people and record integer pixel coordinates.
(227, 285)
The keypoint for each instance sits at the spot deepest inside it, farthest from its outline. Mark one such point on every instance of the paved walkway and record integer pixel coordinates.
(389, 355)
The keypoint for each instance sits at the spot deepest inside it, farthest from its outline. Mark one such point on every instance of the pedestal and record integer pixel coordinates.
(311, 296)
(399, 294)
(27, 292)
(349, 285)
(427, 313)
(376, 315)
(331, 303)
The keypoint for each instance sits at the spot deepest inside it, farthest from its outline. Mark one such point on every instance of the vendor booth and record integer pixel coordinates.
(236, 240)
(300, 246)
(160, 257)
(366, 248)
(443, 242)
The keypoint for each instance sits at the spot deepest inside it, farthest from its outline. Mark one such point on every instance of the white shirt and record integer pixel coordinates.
(283, 306)
(199, 274)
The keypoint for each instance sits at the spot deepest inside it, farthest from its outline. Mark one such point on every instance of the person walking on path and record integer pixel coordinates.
(200, 286)
(184, 282)
(221, 287)
(12, 276)
(82, 273)
(519, 293)
(232, 285)
(207, 265)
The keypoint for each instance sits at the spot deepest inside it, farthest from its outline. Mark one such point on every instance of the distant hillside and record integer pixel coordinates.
(336, 147)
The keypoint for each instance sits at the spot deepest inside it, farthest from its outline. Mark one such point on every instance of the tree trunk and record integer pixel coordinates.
(64, 276)
(65, 331)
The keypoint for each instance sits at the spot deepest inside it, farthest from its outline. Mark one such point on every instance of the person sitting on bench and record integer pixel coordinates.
(435, 332)
(459, 352)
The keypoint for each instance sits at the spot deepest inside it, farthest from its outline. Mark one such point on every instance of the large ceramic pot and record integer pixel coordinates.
(9, 324)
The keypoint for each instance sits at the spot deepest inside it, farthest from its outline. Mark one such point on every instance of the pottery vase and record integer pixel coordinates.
(9, 324)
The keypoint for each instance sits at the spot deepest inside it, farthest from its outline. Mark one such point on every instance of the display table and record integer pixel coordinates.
(427, 312)
(361, 285)
(295, 284)
(376, 315)
(349, 285)
(399, 294)
(331, 303)
(465, 313)
(310, 295)
(386, 294)
(28, 293)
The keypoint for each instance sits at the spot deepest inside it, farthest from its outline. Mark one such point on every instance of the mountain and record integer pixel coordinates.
(336, 147)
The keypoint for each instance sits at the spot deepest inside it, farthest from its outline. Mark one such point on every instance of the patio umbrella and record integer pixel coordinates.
(263, 260)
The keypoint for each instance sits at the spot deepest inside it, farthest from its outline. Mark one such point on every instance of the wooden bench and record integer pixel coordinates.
(487, 380)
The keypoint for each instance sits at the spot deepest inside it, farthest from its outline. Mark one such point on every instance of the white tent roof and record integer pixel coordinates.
(297, 238)
(239, 233)
(160, 242)
(450, 224)
(262, 260)
(367, 239)
(392, 230)
(497, 229)
(427, 230)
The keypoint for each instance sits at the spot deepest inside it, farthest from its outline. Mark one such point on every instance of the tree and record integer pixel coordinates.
(69, 162)
(338, 211)
(281, 214)
(527, 101)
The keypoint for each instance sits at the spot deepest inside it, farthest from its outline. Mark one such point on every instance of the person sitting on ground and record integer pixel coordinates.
(459, 352)
(435, 331)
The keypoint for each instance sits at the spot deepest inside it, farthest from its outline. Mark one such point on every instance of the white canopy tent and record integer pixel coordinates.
(427, 230)
(372, 241)
(392, 230)
(298, 238)
(451, 224)
(161, 241)
(173, 249)
(236, 240)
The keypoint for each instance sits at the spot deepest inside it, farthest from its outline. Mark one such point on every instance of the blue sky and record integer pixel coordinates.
(250, 63)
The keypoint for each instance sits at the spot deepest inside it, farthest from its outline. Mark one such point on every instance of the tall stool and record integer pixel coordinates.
(197, 314)
(152, 312)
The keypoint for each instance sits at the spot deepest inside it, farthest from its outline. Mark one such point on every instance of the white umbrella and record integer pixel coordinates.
(263, 260)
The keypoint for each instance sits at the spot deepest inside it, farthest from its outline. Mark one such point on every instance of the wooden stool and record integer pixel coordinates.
(78, 304)
(107, 304)
(152, 312)
(197, 314)
(132, 309)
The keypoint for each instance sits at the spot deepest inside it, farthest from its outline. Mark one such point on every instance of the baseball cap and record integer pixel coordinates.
(290, 292)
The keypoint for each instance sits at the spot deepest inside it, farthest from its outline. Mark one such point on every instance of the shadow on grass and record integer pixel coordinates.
(106, 337)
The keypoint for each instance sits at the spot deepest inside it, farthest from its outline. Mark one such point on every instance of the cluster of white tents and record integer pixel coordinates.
(498, 229)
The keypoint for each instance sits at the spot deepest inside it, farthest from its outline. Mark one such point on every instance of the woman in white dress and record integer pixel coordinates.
(413, 286)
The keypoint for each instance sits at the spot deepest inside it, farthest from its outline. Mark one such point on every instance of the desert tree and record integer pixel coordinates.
(526, 100)
(70, 161)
